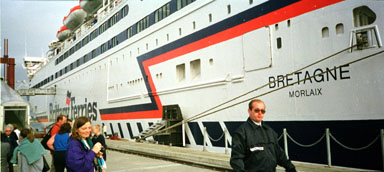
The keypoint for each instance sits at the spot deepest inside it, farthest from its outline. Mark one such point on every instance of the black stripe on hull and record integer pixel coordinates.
(129, 130)
(121, 131)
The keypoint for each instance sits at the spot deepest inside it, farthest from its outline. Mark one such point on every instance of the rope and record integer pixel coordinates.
(354, 149)
(309, 145)
(281, 136)
(202, 114)
(216, 140)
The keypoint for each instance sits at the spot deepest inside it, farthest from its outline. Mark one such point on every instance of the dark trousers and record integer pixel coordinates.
(59, 160)
(10, 167)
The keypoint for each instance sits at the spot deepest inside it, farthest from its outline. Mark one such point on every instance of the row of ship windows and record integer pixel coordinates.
(136, 28)
(98, 31)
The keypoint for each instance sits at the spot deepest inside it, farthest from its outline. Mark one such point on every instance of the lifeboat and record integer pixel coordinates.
(63, 33)
(75, 18)
(91, 6)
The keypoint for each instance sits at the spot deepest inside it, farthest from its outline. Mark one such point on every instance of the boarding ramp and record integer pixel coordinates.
(152, 129)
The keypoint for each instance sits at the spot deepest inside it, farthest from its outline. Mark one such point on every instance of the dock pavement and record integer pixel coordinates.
(213, 160)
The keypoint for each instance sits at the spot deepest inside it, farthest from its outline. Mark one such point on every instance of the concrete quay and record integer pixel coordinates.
(213, 160)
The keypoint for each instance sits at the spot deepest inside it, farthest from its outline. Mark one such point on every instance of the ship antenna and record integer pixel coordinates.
(25, 44)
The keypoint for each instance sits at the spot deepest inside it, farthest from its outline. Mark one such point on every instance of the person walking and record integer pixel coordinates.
(31, 153)
(81, 152)
(255, 146)
(6, 154)
(97, 137)
(60, 120)
(59, 143)
(10, 136)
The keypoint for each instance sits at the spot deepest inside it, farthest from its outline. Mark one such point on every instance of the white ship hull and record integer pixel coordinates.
(210, 52)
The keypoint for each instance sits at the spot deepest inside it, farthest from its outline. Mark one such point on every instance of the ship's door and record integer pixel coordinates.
(16, 115)
(257, 49)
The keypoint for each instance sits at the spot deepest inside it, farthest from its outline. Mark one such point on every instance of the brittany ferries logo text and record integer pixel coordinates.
(73, 110)
(317, 76)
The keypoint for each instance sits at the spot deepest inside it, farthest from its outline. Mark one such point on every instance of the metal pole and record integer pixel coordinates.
(382, 145)
(327, 136)
(285, 142)
(226, 141)
(205, 139)
(183, 130)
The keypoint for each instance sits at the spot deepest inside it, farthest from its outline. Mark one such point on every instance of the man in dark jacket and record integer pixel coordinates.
(255, 146)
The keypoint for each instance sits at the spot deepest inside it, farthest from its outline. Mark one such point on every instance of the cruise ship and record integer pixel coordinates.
(316, 64)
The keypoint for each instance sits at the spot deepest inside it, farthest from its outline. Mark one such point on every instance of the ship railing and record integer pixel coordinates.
(327, 135)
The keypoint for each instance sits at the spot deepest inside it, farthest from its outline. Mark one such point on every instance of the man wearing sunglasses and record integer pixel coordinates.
(255, 146)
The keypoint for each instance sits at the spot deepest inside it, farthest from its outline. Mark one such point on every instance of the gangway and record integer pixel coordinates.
(153, 128)
(36, 91)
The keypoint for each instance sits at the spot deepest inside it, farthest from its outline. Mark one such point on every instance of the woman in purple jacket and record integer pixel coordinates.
(81, 152)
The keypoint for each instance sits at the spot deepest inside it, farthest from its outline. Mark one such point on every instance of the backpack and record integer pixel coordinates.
(45, 139)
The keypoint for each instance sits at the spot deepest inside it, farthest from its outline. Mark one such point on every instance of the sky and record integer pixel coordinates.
(29, 26)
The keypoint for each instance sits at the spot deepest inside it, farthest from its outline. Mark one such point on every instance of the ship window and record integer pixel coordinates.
(279, 43)
(195, 68)
(250, 2)
(71, 66)
(157, 42)
(183, 3)
(211, 61)
(93, 54)
(194, 25)
(325, 32)
(276, 26)
(167, 37)
(71, 51)
(179, 31)
(93, 35)
(124, 11)
(103, 47)
(210, 17)
(289, 23)
(339, 29)
(180, 72)
(162, 12)
(65, 55)
(142, 24)
(84, 59)
(129, 32)
(78, 46)
(229, 9)
(363, 16)
(146, 46)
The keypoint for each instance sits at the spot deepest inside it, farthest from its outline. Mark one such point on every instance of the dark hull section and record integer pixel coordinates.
(354, 134)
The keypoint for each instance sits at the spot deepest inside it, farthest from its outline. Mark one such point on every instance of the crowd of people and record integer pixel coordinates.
(79, 147)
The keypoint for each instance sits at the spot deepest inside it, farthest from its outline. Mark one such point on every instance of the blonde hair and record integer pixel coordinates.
(97, 126)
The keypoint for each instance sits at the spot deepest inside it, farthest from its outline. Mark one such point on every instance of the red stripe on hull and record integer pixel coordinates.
(133, 115)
